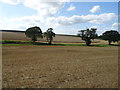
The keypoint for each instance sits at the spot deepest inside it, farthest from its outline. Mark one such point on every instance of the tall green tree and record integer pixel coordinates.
(111, 36)
(34, 33)
(49, 34)
(87, 35)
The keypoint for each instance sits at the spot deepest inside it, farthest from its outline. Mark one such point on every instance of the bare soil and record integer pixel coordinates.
(60, 67)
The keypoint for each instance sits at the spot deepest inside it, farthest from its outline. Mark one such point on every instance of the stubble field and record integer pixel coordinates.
(60, 67)
(57, 38)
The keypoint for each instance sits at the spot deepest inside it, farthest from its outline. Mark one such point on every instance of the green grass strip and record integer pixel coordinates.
(19, 43)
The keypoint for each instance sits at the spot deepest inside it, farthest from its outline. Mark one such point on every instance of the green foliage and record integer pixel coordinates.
(87, 35)
(49, 34)
(34, 33)
(111, 36)
(15, 42)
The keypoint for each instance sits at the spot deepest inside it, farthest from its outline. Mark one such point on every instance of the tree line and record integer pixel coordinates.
(87, 35)
(36, 32)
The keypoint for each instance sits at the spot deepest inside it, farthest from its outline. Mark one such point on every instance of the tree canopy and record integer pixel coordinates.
(34, 33)
(111, 36)
(87, 35)
(49, 34)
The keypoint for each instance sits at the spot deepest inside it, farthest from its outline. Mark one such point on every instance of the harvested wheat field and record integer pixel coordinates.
(57, 38)
(60, 67)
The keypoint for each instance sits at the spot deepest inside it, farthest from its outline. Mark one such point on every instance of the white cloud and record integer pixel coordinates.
(32, 1)
(96, 19)
(13, 2)
(44, 8)
(71, 8)
(115, 26)
(94, 26)
(102, 18)
(45, 16)
(95, 9)
(36, 20)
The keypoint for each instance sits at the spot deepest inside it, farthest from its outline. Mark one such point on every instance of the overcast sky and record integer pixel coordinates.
(64, 17)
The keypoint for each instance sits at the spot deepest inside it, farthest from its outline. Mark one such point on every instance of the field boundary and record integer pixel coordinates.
(15, 42)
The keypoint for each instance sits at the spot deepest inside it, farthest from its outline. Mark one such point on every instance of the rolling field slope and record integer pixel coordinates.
(58, 38)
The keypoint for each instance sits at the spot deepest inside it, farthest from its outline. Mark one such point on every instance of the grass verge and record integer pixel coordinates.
(14, 43)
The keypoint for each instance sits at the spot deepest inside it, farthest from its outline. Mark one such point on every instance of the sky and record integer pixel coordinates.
(65, 17)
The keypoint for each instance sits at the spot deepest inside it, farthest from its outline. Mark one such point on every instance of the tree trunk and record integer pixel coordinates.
(109, 42)
(34, 38)
(88, 42)
(50, 42)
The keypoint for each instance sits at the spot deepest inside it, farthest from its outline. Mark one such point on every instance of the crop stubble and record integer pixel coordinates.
(57, 38)
(60, 67)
